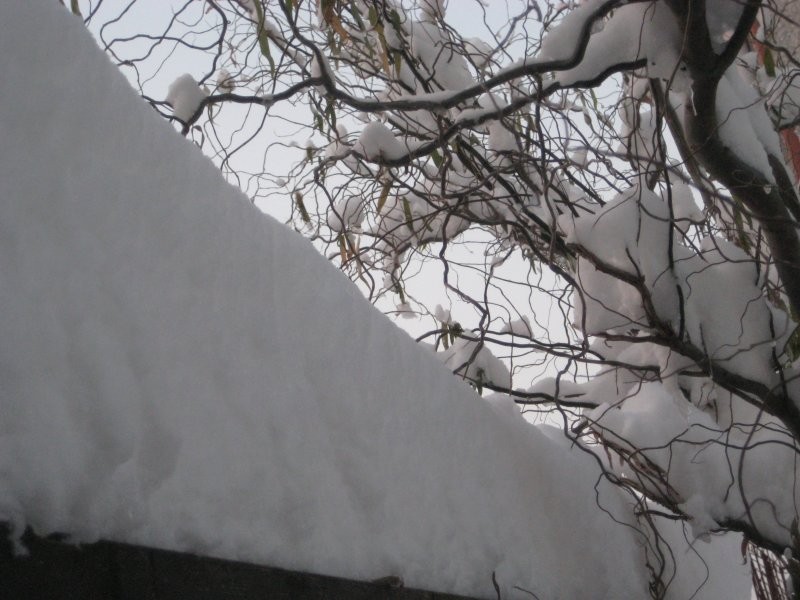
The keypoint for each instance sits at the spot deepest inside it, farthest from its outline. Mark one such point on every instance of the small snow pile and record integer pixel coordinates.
(377, 141)
(185, 96)
(520, 327)
(645, 30)
(225, 81)
(722, 17)
(472, 360)
(182, 372)
(432, 9)
(347, 215)
(560, 42)
(684, 208)
(479, 52)
(744, 125)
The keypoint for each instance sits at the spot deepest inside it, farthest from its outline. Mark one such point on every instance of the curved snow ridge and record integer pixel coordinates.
(180, 371)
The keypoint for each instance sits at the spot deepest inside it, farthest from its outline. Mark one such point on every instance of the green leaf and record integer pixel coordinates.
(407, 213)
(479, 381)
(330, 111)
(301, 207)
(437, 159)
(793, 345)
(394, 19)
(738, 220)
(384, 48)
(769, 62)
(263, 38)
(384, 195)
(463, 141)
(466, 160)
(357, 15)
(398, 288)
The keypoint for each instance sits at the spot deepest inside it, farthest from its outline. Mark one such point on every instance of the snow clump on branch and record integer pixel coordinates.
(185, 96)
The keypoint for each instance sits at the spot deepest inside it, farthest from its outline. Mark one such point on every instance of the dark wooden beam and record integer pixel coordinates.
(56, 570)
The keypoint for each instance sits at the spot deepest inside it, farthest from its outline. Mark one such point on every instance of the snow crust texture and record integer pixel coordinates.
(180, 371)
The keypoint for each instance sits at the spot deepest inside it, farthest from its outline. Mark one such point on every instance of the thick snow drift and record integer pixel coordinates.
(178, 370)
